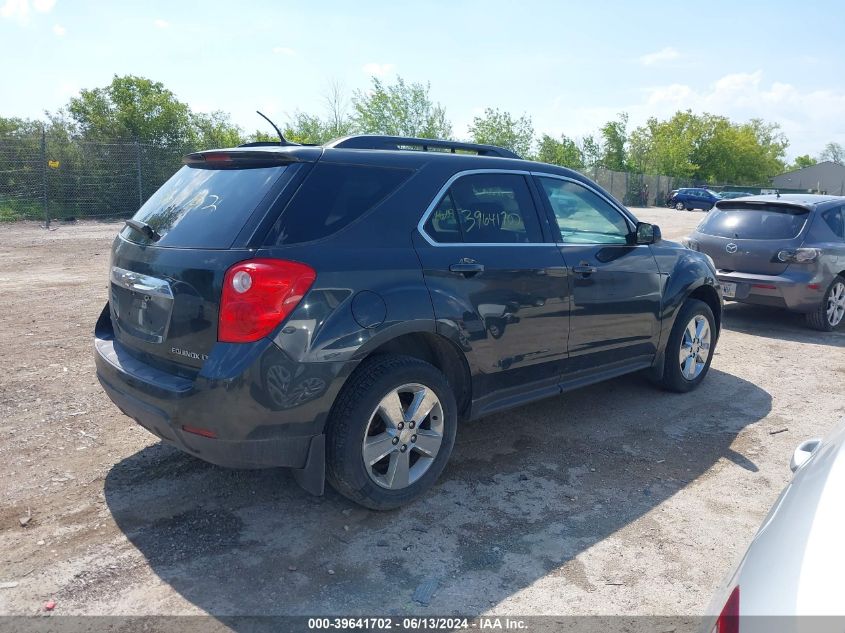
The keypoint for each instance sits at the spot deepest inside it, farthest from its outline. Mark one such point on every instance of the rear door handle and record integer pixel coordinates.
(584, 270)
(467, 268)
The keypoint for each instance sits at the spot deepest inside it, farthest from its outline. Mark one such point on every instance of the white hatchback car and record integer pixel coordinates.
(793, 567)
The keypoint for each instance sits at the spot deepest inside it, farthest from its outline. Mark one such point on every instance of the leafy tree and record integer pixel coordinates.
(615, 137)
(500, 128)
(400, 109)
(835, 152)
(803, 161)
(564, 152)
(132, 107)
(591, 150)
(214, 129)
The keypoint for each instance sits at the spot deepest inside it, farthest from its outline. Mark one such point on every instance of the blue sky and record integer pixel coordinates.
(570, 66)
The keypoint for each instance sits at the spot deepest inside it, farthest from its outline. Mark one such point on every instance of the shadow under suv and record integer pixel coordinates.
(337, 310)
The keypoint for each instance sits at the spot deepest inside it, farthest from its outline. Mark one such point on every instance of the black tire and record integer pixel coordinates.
(673, 378)
(680, 206)
(817, 319)
(349, 419)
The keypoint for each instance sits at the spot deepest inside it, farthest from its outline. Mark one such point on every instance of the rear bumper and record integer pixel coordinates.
(254, 420)
(797, 291)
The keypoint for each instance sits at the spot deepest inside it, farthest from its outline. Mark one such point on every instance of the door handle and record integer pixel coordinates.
(467, 269)
(584, 270)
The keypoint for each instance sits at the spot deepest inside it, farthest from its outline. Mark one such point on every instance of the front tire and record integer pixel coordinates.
(830, 315)
(390, 432)
(689, 350)
(679, 206)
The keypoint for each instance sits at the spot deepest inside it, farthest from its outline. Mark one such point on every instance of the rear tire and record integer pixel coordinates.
(363, 410)
(689, 350)
(830, 315)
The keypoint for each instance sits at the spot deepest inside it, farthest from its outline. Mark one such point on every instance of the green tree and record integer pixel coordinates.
(132, 107)
(590, 150)
(564, 152)
(500, 128)
(802, 161)
(399, 109)
(615, 137)
(213, 130)
(835, 152)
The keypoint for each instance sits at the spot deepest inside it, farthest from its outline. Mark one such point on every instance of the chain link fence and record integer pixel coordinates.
(47, 178)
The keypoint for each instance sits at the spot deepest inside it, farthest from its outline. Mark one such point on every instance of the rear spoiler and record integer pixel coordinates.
(237, 158)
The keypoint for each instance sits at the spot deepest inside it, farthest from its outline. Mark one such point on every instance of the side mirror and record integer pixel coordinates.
(647, 233)
(803, 453)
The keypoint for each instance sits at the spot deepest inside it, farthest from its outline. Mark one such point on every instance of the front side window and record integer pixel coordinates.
(583, 216)
(486, 209)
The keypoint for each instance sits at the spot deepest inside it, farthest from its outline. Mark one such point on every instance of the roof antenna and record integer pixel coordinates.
(777, 193)
(282, 139)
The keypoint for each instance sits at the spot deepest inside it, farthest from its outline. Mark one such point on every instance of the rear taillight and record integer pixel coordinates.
(258, 295)
(798, 255)
(728, 621)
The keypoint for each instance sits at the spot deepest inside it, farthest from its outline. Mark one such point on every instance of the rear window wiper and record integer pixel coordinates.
(144, 229)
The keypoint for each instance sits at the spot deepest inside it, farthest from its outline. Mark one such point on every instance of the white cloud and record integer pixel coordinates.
(19, 9)
(378, 70)
(665, 55)
(59, 30)
(284, 50)
(161, 24)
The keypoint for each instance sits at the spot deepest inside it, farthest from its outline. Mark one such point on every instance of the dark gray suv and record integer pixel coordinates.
(783, 251)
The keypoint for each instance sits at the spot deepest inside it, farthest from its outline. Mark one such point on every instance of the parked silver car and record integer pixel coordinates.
(793, 567)
(785, 251)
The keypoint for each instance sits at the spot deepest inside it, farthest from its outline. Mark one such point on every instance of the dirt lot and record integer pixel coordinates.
(616, 499)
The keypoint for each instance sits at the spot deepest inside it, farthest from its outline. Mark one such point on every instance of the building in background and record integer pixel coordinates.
(827, 177)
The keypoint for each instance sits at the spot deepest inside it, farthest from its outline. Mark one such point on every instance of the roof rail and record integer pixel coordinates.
(374, 141)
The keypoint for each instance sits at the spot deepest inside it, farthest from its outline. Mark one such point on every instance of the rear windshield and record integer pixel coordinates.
(332, 197)
(204, 208)
(755, 223)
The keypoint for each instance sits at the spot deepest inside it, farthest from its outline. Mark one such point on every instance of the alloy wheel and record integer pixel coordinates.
(403, 436)
(836, 304)
(695, 347)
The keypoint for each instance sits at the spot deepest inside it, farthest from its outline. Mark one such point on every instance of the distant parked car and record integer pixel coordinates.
(733, 195)
(694, 198)
(793, 566)
(783, 251)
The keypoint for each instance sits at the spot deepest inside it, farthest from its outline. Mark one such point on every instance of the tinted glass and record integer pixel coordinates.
(442, 224)
(204, 208)
(754, 222)
(834, 219)
(583, 216)
(332, 197)
(486, 209)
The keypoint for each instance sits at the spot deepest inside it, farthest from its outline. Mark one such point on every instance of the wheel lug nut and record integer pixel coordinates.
(411, 425)
(413, 438)
(401, 426)
(395, 440)
(404, 448)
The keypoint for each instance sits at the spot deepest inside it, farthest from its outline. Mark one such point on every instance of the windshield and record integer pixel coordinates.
(203, 208)
(755, 222)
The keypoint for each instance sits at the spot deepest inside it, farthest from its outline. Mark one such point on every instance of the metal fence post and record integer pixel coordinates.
(138, 169)
(44, 178)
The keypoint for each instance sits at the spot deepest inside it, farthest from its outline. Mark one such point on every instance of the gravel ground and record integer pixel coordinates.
(615, 499)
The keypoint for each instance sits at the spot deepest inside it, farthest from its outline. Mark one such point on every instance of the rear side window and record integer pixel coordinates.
(486, 209)
(835, 220)
(757, 222)
(332, 197)
(204, 208)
